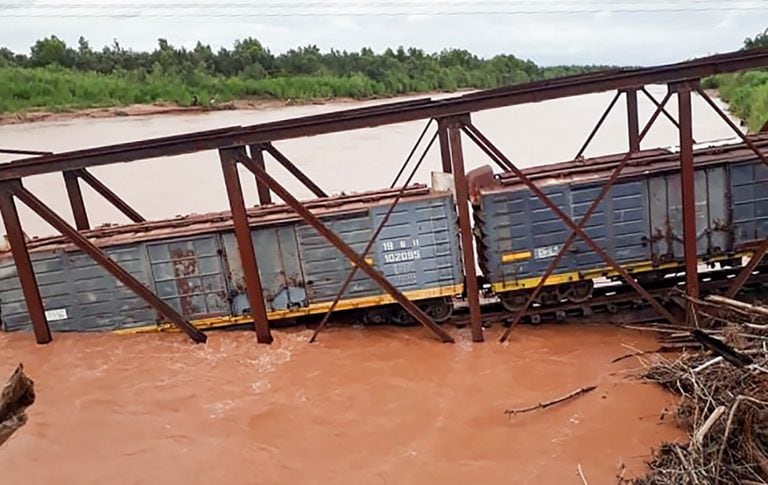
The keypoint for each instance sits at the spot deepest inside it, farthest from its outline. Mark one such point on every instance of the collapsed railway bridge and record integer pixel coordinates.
(103, 252)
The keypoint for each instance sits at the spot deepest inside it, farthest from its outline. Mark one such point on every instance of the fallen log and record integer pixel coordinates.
(544, 405)
(17, 395)
(754, 309)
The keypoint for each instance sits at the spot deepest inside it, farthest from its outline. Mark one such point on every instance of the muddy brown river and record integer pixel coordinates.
(364, 405)
(361, 406)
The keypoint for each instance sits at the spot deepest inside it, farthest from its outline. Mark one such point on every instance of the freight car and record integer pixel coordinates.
(193, 264)
(639, 223)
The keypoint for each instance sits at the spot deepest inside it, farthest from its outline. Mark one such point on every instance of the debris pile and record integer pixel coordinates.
(722, 378)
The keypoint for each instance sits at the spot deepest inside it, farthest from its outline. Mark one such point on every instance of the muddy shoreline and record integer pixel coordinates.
(162, 108)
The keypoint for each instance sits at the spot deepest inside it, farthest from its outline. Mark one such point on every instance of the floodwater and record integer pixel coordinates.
(362, 406)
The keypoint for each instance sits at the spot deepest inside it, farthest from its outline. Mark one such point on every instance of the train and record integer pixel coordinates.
(193, 263)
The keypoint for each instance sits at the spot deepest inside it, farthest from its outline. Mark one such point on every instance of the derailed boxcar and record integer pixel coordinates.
(193, 264)
(639, 223)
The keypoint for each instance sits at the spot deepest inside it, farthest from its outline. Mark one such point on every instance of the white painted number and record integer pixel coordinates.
(547, 252)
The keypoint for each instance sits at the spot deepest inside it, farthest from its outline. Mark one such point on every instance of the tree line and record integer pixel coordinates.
(249, 69)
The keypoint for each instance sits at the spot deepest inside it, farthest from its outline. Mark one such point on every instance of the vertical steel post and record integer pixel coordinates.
(633, 123)
(24, 267)
(445, 144)
(229, 157)
(257, 155)
(688, 190)
(465, 229)
(72, 182)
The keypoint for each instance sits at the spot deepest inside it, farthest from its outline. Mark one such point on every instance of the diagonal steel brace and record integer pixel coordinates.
(344, 248)
(492, 151)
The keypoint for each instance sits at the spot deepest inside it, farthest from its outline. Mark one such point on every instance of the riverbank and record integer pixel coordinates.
(746, 94)
(160, 109)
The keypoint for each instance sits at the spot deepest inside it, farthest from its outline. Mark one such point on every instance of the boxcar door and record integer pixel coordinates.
(282, 279)
(189, 275)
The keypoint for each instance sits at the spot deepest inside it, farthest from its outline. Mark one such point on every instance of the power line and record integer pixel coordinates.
(382, 14)
(355, 4)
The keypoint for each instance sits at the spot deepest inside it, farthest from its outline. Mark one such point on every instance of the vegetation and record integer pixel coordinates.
(747, 92)
(55, 76)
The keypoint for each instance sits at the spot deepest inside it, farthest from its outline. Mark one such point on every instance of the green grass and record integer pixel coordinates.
(747, 95)
(53, 88)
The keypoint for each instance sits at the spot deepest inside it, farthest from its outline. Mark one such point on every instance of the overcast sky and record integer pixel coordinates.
(601, 32)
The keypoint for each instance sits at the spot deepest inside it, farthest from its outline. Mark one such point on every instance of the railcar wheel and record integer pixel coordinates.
(581, 291)
(513, 301)
(439, 311)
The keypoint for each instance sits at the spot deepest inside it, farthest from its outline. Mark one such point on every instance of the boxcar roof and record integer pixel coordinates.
(194, 224)
(643, 162)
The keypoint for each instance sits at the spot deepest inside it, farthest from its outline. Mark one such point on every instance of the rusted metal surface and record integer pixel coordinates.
(257, 154)
(445, 145)
(465, 226)
(103, 260)
(344, 248)
(408, 159)
(688, 188)
(377, 232)
(759, 254)
(294, 170)
(598, 125)
(633, 121)
(492, 151)
(24, 266)
(75, 195)
(664, 111)
(110, 196)
(13, 151)
(229, 158)
(217, 221)
(383, 115)
(646, 161)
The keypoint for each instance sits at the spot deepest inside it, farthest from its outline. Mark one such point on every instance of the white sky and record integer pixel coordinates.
(603, 33)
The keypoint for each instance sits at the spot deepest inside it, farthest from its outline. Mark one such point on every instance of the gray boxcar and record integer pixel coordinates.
(193, 264)
(639, 224)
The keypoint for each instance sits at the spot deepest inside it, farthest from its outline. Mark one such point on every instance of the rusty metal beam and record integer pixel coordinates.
(14, 151)
(229, 158)
(759, 254)
(344, 248)
(75, 196)
(633, 121)
(411, 153)
(733, 126)
(105, 262)
(745, 273)
(257, 154)
(664, 111)
(445, 145)
(465, 227)
(376, 233)
(110, 196)
(688, 191)
(492, 151)
(294, 170)
(597, 126)
(24, 267)
(384, 115)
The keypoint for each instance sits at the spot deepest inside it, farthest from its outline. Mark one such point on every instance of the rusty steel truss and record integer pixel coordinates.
(246, 145)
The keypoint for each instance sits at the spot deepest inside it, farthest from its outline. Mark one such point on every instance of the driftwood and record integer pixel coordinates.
(17, 395)
(723, 407)
(544, 405)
